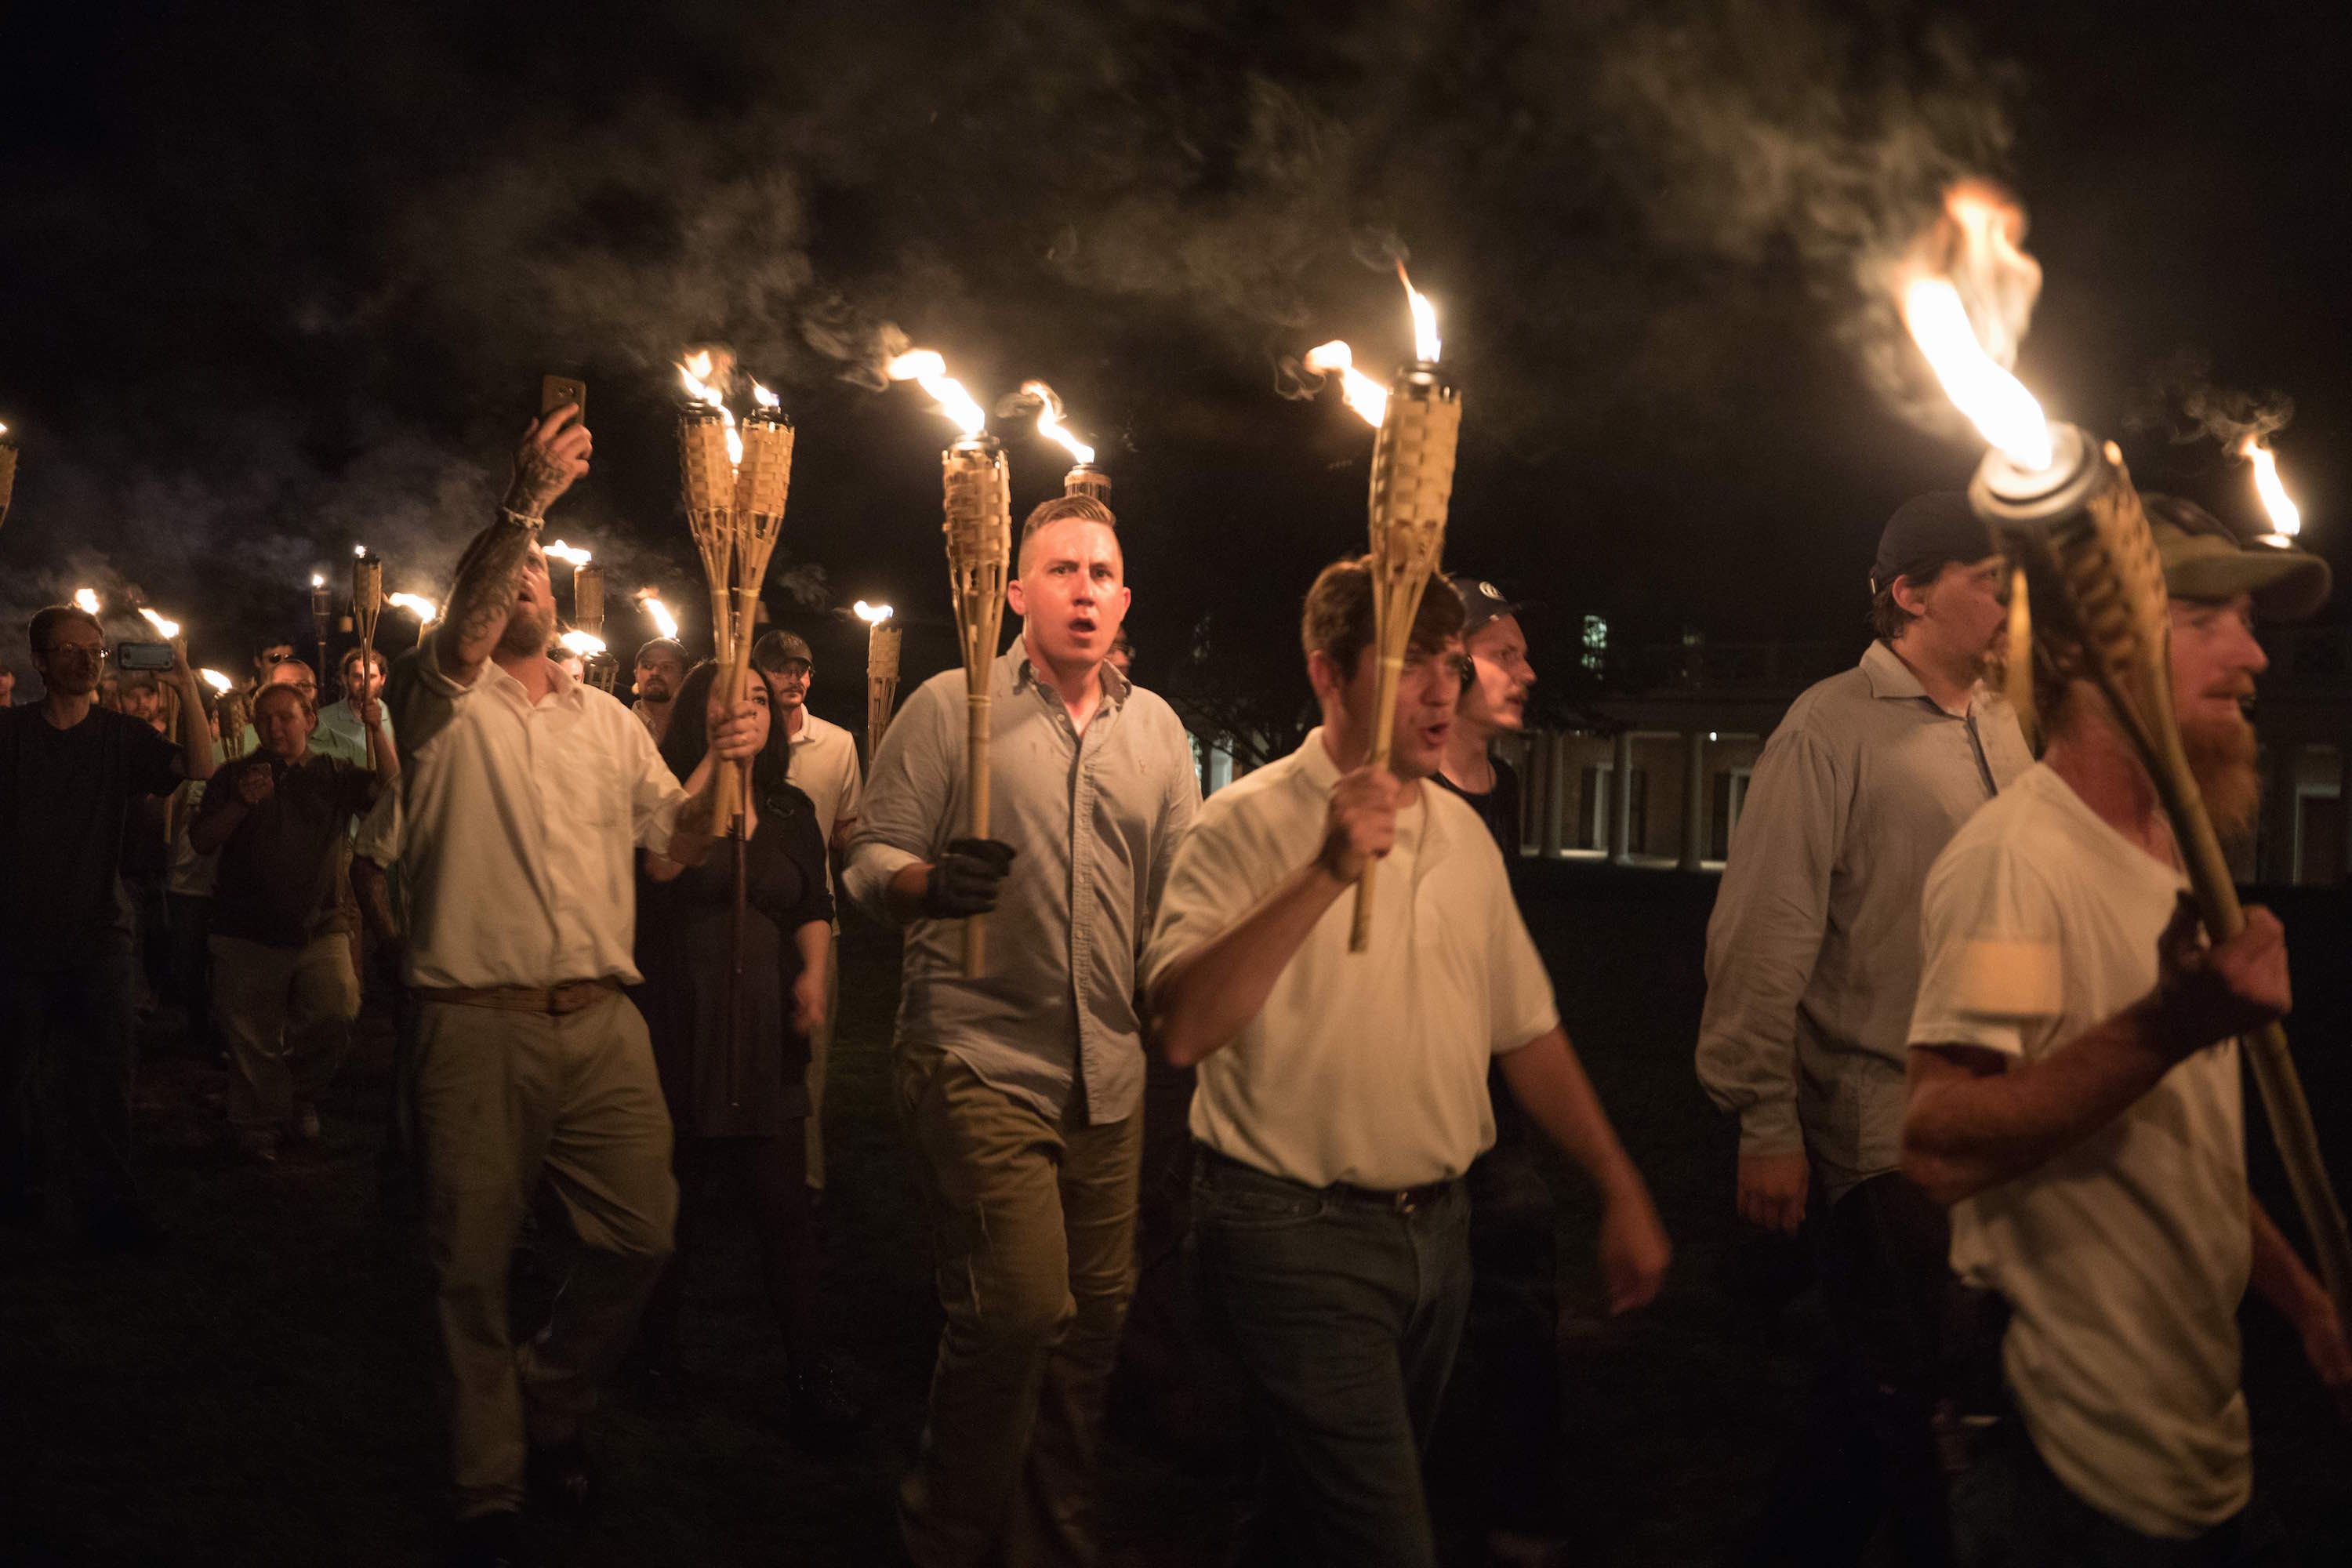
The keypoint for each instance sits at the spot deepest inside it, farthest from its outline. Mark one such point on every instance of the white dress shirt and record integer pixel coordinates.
(519, 826)
(825, 769)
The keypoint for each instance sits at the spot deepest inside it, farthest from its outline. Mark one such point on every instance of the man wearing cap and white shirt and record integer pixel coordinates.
(1813, 960)
(1342, 1095)
(825, 769)
(2075, 1097)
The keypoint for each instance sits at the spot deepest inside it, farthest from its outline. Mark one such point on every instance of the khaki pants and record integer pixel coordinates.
(1032, 1236)
(503, 1097)
(820, 1053)
(285, 1014)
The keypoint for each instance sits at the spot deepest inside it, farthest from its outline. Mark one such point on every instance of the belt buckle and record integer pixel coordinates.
(1403, 1200)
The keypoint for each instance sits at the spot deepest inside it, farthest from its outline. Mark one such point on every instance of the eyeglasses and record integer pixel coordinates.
(96, 652)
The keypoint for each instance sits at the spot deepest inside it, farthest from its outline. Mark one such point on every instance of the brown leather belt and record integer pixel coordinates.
(572, 997)
(1403, 1200)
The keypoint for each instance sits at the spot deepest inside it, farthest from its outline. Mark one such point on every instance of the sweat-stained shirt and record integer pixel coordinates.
(1812, 953)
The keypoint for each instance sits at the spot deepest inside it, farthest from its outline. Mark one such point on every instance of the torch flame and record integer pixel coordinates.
(1049, 420)
(168, 630)
(581, 642)
(86, 601)
(1365, 395)
(873, 614)
(1995, 401)
(664, 622)
(926, 367)
(2286, 518)
(416, 605)
(214, 679)
(318, 580)
(1425, 320)
(560, 551)
(360, 551)
(695, 370)
(764, 398)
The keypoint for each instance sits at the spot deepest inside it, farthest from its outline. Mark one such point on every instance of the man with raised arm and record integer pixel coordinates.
(1023, 1089)
(524, 797)
(1342, 1095)
(2075, 1098)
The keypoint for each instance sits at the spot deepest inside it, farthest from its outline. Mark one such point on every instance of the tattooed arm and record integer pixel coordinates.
(554, 452)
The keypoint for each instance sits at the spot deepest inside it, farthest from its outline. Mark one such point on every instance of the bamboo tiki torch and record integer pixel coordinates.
(1411, 487)
(322, 613)
(2077, 529)
(8, 471)
(588, 615)
(979, 531)
(367, 606)
(881, 674)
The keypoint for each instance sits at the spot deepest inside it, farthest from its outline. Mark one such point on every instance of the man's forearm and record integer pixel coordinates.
(373, 892)
(1207, 996)
(1546, 1078)
(2277, 1274)
(196, 758)
(1971, 1125)
(483, 598)
(212, 829)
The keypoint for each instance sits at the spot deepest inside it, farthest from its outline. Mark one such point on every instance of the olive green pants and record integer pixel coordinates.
(1033, 1240)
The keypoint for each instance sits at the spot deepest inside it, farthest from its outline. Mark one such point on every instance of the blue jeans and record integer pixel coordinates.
(1344, 1311)
(2008, 1511)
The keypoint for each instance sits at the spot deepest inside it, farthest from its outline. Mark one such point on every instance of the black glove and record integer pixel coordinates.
(964, 880)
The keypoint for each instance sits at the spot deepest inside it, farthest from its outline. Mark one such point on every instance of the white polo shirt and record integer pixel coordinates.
(825, 769)
(1366, 1067)
(519, 826)
(2123, 1258)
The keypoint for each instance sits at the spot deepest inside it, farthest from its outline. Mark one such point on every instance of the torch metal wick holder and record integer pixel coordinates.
(2080, 541)
(1087, 479)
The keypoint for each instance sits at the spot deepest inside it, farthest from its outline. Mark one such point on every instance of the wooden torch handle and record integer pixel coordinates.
(1392, 670)
(975, 927)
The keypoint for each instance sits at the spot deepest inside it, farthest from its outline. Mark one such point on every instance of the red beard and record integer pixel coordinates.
(2221, 755)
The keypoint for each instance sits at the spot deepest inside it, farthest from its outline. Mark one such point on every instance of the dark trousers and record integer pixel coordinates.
(2008, 1511)
(1344, 1313)
(771, 1173)
(1498, 1445)
(1866, 1454)
(65, 1055)
(192, 969)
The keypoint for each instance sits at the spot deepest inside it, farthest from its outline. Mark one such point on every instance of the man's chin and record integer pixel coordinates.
(2221, 755)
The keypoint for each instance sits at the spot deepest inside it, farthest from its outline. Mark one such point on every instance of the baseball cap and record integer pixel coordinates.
(1924, 532)
(778, 649)
(2203, 559)
(1482, 600)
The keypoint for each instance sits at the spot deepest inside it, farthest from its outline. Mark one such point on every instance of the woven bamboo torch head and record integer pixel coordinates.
(882, 654)
(1413, 468)
(706, 469)
(367, 588)
(765, 474)
(588, 598)
(978, 504)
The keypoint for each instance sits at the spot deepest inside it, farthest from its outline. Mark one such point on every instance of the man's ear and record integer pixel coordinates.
(1323, 674)
(1910, 595)
(1014, 597)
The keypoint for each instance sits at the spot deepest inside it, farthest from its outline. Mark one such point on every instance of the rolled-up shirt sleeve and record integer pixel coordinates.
(901, 819)
(1765, 936)
(1990, 936)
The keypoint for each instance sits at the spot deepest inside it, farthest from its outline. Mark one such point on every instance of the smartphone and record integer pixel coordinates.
(555, 391)
(143, 656)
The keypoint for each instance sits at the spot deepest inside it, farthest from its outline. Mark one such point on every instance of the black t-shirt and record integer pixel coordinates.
(279, 866)
(1498, 807)
(63, 795)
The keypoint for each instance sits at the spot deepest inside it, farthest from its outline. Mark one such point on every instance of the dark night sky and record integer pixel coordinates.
(272, 287)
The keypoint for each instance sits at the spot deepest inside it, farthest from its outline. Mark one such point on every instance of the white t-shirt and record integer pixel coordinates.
(2123, 1259)
(825, 769)
(1365, 1068)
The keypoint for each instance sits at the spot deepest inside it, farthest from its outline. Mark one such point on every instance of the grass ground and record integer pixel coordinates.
(266, 1390)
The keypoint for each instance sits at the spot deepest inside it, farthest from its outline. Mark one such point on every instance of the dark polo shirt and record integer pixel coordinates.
(278, 867)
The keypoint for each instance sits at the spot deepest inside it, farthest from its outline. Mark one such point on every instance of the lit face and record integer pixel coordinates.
(268, 657)
(1428, 693)
(659, 674)
(790, 686)
(283, 724)
(293, 672)
(531, 626)
(2214, 661)
(141, 702)
(1071, 595)
(1498, 697)
(71, 664)
(352, 676)
(1963, 611)
(755, 692)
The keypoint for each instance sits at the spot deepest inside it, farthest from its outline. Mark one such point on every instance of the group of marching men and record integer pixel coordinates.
(1976, 1040)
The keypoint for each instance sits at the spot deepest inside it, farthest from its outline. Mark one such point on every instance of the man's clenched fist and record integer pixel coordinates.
(1359, 827)
(964, 881)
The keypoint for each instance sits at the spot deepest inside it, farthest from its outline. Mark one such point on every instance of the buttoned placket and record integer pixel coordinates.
(542, 869)
(1081, 789)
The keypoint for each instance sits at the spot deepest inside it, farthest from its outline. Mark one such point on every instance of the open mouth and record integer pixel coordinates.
(1084, 626)
(1434, 734)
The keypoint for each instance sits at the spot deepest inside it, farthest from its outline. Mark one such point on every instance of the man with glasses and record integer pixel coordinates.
(1812, 962)
(68, 771)
(1342, 1095)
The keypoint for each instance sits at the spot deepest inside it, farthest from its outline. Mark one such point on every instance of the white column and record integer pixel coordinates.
(1693, 799)
(1621, 802)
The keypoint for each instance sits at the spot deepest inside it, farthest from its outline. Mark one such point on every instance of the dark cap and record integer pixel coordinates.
(2203, 559)
(1924, 532)
(778, 649)
(1482, 600)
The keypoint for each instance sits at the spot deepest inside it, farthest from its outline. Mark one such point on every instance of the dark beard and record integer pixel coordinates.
(2222, 756)
(528, 631)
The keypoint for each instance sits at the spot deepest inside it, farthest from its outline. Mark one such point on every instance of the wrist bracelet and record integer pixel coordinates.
(507, 515)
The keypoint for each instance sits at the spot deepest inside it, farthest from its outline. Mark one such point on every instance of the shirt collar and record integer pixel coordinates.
(564, 689)
(1889, 677)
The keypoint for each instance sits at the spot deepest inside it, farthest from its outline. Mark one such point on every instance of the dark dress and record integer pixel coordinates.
(686, 951)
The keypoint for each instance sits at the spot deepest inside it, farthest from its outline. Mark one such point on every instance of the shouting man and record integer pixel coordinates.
(1022, 1090)
(2075, 1096)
